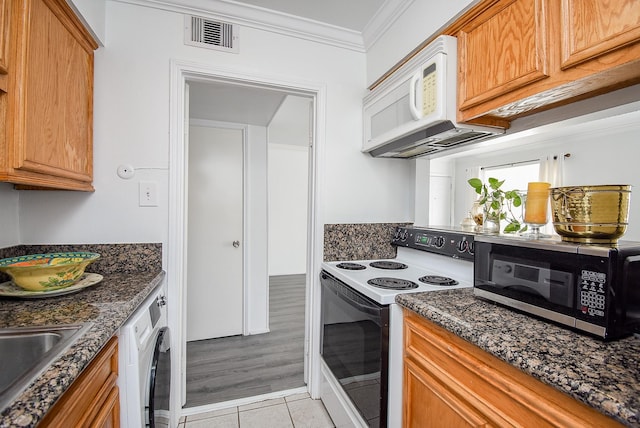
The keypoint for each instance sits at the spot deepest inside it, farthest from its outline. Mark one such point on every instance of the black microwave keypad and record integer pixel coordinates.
(592, 293)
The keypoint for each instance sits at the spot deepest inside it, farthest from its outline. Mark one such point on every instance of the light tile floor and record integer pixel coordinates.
(294, 411)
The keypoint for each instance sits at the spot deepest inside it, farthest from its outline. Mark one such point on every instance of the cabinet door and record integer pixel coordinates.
(4, 34)
(109, 415)
(54, 132)
(4, 45)
(431, 405)
(502, 50)
(92, 400)
(592, 28)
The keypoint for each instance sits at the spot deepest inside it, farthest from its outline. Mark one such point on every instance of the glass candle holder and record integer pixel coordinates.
(477, 213)
(536, 213)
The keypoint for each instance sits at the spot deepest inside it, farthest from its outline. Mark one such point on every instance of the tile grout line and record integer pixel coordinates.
(293, 424)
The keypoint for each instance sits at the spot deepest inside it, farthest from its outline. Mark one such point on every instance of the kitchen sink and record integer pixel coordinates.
(26, 352)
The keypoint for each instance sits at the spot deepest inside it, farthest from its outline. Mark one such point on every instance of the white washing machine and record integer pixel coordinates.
(145, 365)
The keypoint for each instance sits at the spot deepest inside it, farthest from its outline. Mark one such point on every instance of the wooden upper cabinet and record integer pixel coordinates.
(517, 57)
(4, 48)
(49, 103)
(4, 34)
(489, 69)
(593, 28)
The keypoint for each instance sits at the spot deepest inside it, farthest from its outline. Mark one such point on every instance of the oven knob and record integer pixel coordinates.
(439, 242)
(404, 235)
(462, 246)
(472, 248)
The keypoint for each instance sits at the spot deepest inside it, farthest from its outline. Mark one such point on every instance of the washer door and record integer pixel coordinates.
(159, 382)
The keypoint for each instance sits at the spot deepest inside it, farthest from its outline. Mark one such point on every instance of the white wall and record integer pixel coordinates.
(131, 125)
(9, 222)
(257, 281)
(420, 20)
(288, 195)
(603, 151)
(92, 13)
(288, 164)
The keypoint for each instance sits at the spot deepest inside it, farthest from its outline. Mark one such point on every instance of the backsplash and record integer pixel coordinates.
(359, 241)
(114, 258)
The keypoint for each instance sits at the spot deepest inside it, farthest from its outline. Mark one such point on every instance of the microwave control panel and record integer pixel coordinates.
(429, 89)
(592, 293)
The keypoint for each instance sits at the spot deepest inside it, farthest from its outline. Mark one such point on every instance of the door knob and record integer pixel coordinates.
(236, 244)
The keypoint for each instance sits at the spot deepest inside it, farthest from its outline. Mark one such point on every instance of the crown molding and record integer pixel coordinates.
(262, 19)
(384, 18)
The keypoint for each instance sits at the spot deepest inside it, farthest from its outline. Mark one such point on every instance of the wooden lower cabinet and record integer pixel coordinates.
(93, 399)
(449, 382)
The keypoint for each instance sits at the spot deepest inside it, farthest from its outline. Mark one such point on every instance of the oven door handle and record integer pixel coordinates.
(351, 297)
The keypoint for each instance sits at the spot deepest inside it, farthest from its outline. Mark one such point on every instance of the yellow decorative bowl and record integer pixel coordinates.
(46, 272)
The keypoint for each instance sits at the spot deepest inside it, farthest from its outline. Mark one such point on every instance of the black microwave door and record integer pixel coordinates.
(537, 277)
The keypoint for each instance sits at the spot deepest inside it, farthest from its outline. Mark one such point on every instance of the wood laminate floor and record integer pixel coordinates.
(236, 367)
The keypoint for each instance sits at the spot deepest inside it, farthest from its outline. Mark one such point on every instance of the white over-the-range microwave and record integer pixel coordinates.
(413, 111)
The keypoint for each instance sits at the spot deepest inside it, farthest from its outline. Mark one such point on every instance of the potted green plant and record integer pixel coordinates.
(498, 205)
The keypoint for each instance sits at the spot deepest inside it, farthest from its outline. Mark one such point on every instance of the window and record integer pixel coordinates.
(516, 177)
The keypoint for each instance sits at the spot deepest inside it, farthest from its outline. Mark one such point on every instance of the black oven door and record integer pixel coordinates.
(355, 347)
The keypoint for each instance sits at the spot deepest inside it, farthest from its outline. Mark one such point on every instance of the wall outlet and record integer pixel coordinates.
(148, 194)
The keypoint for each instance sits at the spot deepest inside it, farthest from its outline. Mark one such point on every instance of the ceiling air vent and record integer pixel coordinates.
(207, 33)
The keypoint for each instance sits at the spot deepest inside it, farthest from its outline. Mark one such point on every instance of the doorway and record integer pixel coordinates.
(178, 251)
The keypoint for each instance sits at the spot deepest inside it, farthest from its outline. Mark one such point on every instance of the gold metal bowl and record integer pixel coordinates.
(590, 214)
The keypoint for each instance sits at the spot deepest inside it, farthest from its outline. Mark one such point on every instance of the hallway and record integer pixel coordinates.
(236, 367)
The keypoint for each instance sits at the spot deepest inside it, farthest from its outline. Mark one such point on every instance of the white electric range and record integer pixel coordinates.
(362, 324)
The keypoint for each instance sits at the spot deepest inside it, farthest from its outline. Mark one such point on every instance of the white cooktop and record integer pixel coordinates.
(418, 263)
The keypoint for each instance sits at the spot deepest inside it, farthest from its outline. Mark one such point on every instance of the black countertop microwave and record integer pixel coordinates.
(591, 288)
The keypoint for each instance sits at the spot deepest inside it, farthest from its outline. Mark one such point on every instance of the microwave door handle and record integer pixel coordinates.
(413, 90)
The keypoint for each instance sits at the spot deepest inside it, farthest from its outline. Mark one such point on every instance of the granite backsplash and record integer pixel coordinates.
(114, 258)
(359, 241)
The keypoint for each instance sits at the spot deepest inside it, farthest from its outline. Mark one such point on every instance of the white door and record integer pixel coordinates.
(215, 245)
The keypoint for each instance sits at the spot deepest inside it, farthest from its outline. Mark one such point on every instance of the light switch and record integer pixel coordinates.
(148, 194)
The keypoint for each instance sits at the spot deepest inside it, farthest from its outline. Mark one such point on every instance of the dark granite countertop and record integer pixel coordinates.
(106, 305)
(603, 375)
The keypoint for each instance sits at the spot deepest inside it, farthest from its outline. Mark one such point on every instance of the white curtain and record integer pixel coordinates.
(552, 169)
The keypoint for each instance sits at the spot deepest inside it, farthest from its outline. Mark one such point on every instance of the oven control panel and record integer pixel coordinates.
(445, 242)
